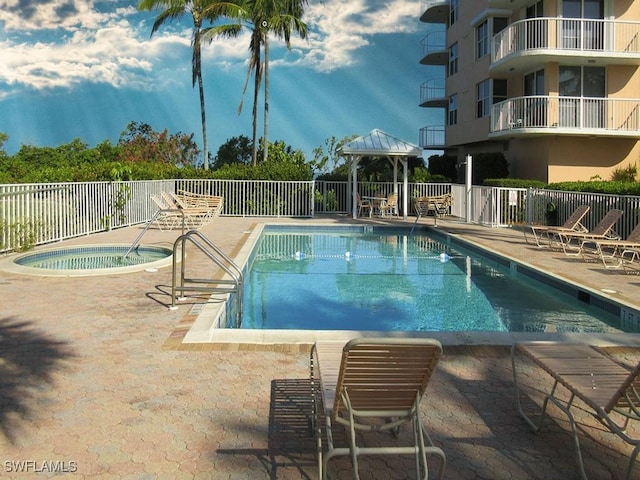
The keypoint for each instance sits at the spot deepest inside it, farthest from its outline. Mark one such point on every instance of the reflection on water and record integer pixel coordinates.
(388, 282)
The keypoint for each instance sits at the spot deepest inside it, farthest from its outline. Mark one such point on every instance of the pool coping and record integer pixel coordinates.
(198, 329)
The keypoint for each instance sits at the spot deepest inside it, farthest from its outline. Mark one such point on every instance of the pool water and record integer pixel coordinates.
(92, 257)
(388, 280)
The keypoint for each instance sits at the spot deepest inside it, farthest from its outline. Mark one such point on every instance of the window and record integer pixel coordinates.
(483, 95)
(453, 109)
(534, 83)
(482, 39)
(499, 91)
(453, 59)
(489, 92)
(453, 12)
(499, 24)
(534, 108)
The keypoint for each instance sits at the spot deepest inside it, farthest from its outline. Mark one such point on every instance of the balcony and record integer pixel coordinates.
(536, 41)
(434, 49)
(433, 94)
(434, 11)
(432, 137)
(535, 115)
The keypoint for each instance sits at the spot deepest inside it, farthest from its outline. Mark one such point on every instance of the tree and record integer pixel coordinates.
(140, 143)
(3, 139)
(235, 150)
(280, 17)
(326, 157)
(174, 9)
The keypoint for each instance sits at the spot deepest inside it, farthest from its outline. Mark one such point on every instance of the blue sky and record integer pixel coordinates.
(86, 68)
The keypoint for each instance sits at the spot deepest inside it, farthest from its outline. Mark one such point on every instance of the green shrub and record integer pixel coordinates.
(514, 183)
(601, 186)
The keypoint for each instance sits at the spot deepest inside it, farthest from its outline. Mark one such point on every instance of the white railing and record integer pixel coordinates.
(577, 114)
(261, 198)
(432, 136)
(603, 37)
(32, 214)
(433, 89)
(433, 42)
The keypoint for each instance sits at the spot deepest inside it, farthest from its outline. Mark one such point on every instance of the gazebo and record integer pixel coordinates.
(379, 144)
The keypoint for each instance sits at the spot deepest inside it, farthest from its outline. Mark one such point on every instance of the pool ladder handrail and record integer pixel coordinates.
(136, 242)
(234, 284)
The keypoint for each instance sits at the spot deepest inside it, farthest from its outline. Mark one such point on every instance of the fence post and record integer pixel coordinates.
(468, 183)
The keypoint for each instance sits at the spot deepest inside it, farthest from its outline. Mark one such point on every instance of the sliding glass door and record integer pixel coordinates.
(582, 24)
(582, 97)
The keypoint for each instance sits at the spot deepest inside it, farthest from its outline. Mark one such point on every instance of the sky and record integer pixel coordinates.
(87, 68)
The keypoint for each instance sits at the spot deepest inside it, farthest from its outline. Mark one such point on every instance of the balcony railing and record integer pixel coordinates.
(433, 93)
(566, 36)
(434, 49)
(432, 136)
(575, 115)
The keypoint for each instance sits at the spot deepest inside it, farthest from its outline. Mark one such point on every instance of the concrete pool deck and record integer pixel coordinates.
(95, 381)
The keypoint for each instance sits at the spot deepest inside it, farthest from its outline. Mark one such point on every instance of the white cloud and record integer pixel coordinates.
(94, 47)
(338, 29)
(62, 43)
(24, 15)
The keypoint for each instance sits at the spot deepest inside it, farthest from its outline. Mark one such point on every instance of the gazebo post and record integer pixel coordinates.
(405, 187)
(354, 185)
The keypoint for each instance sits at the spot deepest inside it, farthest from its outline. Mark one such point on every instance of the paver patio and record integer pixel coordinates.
(95, 384)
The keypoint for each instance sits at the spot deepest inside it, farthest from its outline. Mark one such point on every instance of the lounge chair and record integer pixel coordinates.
(572, 243)
(168, 216)
(615, 253)
(609, 390)
(572, 224)
(198, 212)
(369, 380)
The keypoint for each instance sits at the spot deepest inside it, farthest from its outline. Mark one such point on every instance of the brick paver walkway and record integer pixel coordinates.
(93, 384)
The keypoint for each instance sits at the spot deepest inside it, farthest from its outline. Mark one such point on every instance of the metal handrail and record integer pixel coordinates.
(215, 254)
(136, 242)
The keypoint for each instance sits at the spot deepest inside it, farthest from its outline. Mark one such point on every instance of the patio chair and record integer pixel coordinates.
(363, 206)
(572, 243)
(610, 391)
(438, 204)
(390, 206)
(572, 224)
(615, 253)
(373, 384)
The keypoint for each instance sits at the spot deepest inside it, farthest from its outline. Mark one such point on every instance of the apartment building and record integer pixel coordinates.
(552, 84)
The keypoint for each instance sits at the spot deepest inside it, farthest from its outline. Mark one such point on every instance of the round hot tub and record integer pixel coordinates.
(87, 260)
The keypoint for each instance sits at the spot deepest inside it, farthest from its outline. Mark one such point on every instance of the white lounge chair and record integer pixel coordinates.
(572, 224)
(610, 391)
(373, 378)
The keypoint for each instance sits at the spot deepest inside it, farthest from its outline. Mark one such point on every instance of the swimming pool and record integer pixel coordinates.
(383, 279)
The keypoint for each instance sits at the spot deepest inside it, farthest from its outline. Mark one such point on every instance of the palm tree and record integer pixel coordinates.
(280, 17)
(281, 24)
(175, 9)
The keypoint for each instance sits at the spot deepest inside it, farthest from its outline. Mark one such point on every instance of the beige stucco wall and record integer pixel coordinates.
(545, 157)
(561, 158)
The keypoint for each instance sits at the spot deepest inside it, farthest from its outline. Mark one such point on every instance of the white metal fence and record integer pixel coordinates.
(33, 214)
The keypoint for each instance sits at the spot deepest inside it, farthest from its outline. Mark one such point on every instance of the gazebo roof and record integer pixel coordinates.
(380, 144)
